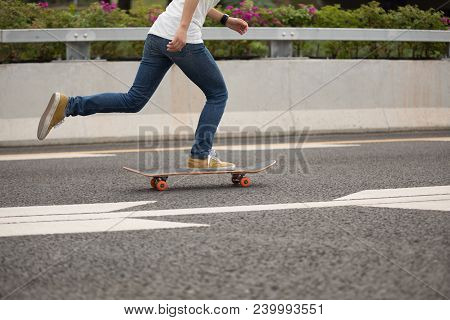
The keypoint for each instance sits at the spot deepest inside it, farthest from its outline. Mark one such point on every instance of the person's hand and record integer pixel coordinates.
(237, 25)
(179, 41)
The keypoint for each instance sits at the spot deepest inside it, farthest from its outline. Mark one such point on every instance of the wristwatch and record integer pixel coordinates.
(224, 19)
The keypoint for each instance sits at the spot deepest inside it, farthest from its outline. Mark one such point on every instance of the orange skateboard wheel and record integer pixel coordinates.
(153, 183)
(162, 185)
(245, 182)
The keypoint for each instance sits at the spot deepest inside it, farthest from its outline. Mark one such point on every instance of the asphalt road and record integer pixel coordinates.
(322, 252)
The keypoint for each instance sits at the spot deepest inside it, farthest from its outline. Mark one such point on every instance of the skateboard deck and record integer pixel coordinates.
(159, 176)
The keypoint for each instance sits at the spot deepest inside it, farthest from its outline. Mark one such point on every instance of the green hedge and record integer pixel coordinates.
(15, 14)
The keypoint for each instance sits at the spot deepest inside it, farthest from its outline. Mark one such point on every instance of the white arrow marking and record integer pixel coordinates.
(427, 202)
(21, 221)
(95, 218)
(83, 226)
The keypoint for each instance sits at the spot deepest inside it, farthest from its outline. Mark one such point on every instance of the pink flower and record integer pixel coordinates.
(43, 4)
(108, 7)
(255, 8)
(445, 20)
(229, 7)
(312, 10)
(247, 16)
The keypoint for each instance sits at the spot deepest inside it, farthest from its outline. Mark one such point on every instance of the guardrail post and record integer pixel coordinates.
(280, 48)
(78, 50)
(448, 50)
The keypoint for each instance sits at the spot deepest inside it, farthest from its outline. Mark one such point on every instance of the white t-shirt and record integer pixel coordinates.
(167, 23)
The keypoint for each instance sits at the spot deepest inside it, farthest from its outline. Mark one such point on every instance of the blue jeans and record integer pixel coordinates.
(194, 60)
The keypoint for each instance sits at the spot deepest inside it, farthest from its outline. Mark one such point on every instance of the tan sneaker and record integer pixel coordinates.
(53, 115)
(210, 163)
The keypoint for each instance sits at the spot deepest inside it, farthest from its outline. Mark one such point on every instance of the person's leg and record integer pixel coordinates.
(154, 65)
(199, 66)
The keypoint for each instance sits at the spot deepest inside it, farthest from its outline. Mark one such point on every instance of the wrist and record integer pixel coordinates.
(183, 27)
(224, 19)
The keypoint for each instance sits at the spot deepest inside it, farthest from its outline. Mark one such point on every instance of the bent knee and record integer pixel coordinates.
(136, 104)
(137, 107)
(225, 94)
(220, 95)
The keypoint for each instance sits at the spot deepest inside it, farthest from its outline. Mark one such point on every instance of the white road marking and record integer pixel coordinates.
(282, 146)
(401, 192)
(83, 226)
(68, 209)
(253, 147)
(439, 205)
(99, 218)
(428, 139)
(281, 206)
(286, 206)
(64, 216)
(303, 145)
(111, 153)
(274, 146)
(48, 156)
(426, 202)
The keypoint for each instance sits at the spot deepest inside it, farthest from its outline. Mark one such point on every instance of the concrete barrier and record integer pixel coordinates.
(276, 95)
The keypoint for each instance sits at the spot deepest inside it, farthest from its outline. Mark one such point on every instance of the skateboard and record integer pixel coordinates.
(159, 176)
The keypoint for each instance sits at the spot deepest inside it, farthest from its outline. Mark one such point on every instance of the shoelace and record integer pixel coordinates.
(213, 156)
(213, 153)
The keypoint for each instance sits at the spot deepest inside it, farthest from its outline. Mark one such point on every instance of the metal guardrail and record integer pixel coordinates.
(78, 40)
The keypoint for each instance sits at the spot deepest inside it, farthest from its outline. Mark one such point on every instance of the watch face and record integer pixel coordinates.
(224, 19)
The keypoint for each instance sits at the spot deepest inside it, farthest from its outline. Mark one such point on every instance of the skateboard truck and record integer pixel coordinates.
(241, 179)
(159, 183)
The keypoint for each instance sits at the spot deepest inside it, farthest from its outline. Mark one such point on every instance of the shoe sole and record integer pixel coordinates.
(47, 116)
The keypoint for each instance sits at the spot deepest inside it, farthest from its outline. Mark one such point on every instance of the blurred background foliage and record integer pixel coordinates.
(20, 14)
